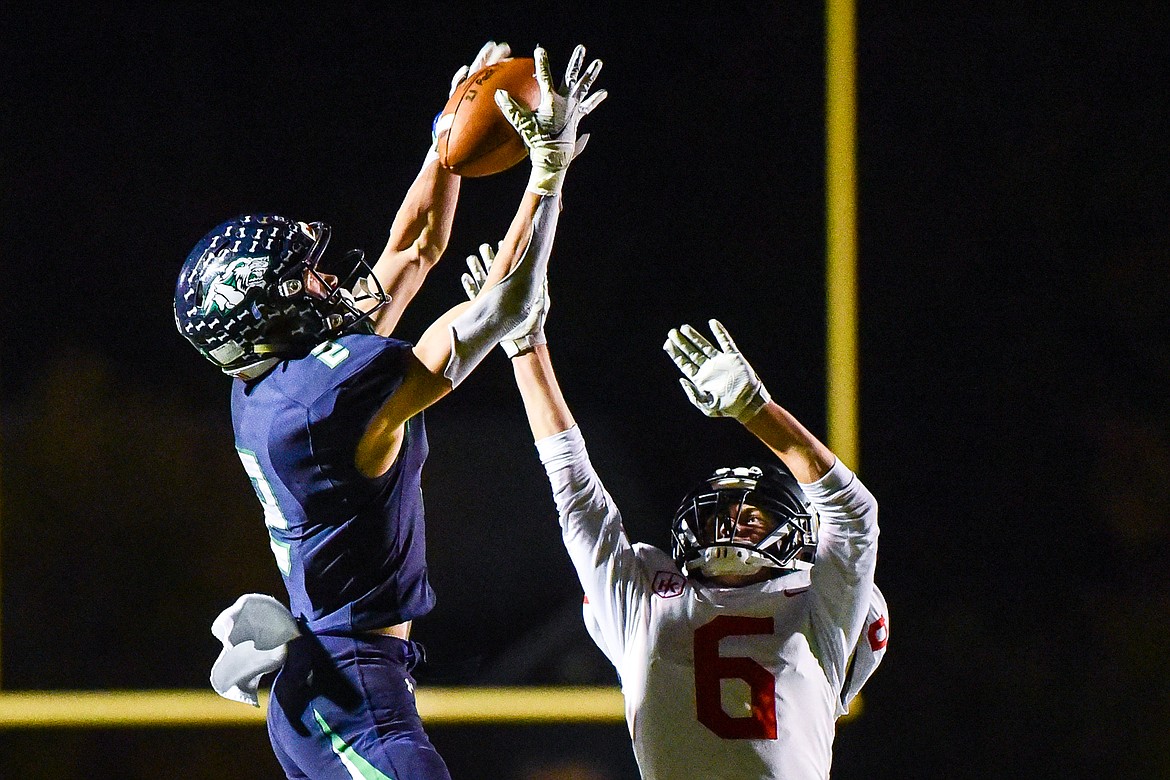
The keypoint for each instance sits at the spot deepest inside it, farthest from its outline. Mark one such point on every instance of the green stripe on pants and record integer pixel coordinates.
(359, 768)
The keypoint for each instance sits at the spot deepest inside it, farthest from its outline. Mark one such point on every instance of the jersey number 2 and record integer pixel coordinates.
(273, 517)
(711, 669)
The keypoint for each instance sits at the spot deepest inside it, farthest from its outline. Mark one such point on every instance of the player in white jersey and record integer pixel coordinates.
(738, 651)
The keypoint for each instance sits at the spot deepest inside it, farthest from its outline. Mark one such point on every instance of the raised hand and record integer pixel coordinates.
(490, 54)
(550, 131)
(720, 382)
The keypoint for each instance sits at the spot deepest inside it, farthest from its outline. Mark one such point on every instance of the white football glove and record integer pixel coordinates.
(718, 381)
(489, 54)
(525, 336)
(550, 132)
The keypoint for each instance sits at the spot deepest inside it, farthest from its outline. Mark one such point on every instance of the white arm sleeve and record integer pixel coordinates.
(591, 525)
(494, 313)
(842, 578)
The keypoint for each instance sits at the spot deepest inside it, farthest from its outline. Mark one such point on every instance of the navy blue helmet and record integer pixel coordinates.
(250, 294)
(704, 537)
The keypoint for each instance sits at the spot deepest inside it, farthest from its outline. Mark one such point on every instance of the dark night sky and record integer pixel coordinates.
(1014, 193)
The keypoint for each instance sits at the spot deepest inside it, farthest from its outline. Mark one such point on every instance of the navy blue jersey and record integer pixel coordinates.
(351, 549)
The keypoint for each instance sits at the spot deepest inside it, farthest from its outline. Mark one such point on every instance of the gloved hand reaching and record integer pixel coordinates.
(489, 54)
(720, 382)
(550, 131)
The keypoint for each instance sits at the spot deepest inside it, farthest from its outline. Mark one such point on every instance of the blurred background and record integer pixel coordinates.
(1014, 236)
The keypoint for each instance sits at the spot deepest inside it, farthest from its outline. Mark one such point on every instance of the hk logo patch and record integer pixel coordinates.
(668, 585)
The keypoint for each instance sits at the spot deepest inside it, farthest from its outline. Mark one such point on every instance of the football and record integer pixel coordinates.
(474, 137)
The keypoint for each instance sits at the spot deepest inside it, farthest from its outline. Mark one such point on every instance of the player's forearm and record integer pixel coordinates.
(545, 405)
(418, 238)
(504, 303)
(801, 452)
(422, 224)
(522, 237)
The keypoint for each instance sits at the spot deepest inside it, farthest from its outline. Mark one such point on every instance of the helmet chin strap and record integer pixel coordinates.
(721, 559)
(253, 371)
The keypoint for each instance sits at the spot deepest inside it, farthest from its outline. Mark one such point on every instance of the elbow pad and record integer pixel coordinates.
(497, 311)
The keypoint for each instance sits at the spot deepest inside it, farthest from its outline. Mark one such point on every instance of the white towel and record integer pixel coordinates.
(255, 632)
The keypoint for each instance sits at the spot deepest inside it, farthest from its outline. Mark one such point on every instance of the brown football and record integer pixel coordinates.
(474, 137)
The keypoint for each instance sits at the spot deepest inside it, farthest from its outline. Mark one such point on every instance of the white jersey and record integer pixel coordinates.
(723, 683)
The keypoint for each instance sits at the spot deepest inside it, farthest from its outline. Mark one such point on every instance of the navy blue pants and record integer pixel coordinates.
(343, 707)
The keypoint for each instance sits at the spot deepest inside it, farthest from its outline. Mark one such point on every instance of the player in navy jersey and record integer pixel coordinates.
(328, 417)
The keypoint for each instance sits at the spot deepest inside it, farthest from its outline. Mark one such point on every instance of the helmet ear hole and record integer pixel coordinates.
(290, 288)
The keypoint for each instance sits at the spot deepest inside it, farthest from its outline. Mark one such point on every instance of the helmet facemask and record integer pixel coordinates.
(343, 304)
(743, 520)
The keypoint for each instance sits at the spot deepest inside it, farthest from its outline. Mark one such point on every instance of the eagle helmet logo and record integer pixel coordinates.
(230, 286)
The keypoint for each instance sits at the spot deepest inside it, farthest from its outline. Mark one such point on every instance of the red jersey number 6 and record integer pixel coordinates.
(711, 668)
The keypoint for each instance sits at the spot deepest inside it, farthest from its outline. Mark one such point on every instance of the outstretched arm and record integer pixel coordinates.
(458, 340)
(455, 343)
(418, 238)
(526, 346)
(548, 413)
(804, 455)
(515, 284)
(422, 225)
(607, 566)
